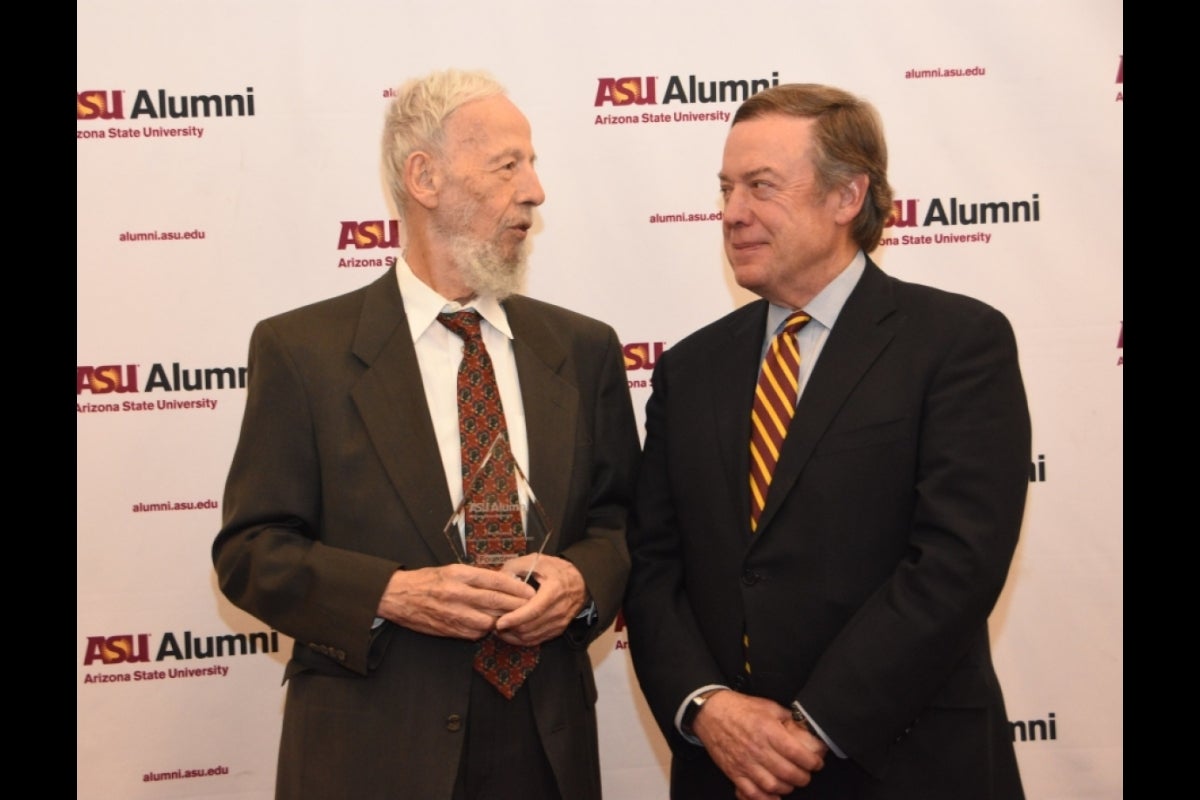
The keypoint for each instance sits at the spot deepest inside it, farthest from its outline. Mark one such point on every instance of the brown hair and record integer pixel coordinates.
(848, 137)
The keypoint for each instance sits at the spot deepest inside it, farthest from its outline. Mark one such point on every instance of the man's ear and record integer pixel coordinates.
(422, 179)
(851, 196)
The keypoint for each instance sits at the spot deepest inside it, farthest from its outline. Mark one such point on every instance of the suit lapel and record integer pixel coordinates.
(858, 337)
(391, 400)
(551, 410)
(731, 380)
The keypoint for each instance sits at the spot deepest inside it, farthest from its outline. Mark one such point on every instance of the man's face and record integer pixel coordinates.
(783, 235)
(485, 207)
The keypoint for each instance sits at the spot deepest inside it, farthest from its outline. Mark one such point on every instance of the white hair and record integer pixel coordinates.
(416, 118)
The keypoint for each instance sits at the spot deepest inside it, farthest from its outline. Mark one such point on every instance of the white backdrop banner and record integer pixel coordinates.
(228, 170)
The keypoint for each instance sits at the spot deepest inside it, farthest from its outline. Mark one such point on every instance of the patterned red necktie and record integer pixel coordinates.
(494, 532)
(774, 406)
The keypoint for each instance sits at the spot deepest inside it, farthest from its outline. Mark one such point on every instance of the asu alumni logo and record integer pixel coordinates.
(372, 234)
(122, 378)
(643, 90)
(97, 104)
(144, 648)
(108, 104)
(952, 212)
(641, 356)
(104, 381)
(114, 105)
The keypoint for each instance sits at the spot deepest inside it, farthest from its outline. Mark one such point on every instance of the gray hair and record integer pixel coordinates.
(416, 118)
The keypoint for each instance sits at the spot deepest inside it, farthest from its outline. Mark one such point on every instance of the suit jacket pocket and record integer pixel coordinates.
(872, 434)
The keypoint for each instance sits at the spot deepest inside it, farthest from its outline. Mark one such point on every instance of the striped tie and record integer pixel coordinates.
(774, 405)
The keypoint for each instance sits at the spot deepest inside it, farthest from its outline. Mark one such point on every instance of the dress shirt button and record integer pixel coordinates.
(453, 723)
(750, 577)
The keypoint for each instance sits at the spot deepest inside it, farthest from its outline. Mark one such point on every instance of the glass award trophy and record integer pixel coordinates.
(493, 527)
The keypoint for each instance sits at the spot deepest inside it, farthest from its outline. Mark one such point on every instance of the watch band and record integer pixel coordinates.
(693, 708)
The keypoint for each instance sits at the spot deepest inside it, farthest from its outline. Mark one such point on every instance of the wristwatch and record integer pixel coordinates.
(692, 709)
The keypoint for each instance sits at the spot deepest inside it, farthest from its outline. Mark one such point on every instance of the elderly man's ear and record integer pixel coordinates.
(422, 178)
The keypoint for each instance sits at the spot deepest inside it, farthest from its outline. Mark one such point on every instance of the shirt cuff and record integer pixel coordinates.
(812, 723)
(589, 613)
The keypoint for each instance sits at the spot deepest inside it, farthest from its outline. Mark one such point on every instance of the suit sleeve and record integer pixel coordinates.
(898, 651)
(601, 554)
(669, 653)
(268, 558)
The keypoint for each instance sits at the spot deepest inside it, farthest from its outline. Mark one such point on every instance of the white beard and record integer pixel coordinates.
(485, 270)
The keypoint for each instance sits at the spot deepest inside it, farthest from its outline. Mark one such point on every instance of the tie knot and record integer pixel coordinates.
(796, 321)
(463, 323)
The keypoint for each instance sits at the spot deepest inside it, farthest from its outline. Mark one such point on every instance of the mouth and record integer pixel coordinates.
(744, 247)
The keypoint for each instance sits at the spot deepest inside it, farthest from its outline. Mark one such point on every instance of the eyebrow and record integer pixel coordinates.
(754, 173)
(511, 152)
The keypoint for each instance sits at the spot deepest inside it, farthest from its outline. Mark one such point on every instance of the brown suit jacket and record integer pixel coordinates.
(336, 482)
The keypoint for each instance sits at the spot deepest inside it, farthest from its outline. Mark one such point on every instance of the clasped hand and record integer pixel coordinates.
(757, 745)
(468, 602)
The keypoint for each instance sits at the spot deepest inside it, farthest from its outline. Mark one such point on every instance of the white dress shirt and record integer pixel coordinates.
(439, 353)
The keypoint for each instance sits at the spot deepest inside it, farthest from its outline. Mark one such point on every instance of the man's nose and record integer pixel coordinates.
(736, 210)
(531, 191)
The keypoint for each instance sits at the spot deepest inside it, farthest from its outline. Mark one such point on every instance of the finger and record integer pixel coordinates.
(503, 585)
(494, 604)
(802, 748)
(535, 631)
(750, 789)
(526, 617)
(520, 567)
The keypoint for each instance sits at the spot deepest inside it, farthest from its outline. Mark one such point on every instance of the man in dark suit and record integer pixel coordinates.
(814, 613)
(349, 467)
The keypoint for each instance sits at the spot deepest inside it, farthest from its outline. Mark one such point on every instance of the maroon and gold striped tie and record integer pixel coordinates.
(774, 405)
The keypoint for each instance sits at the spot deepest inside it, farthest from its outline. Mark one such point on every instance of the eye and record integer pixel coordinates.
(762, 189)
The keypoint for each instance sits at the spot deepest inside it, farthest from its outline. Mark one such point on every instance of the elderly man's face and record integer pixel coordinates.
(485, 208)
(780, 229)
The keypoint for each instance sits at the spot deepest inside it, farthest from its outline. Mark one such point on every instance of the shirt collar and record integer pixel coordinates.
(422, 304)
(827, 305)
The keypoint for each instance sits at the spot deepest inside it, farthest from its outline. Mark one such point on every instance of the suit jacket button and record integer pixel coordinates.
(750, 577)
(453, 723)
